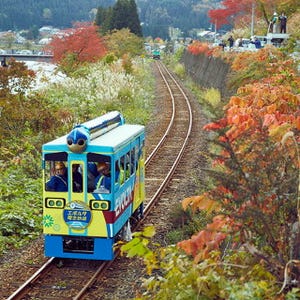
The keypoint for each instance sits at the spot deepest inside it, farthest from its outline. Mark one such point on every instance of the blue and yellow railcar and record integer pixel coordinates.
(82, 218)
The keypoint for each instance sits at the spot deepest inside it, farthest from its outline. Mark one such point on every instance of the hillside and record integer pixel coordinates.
(155, 15)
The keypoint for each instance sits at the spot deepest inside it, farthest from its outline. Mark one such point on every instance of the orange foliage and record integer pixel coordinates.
(258, 121)
(216, 125)
(206, 240)
(262, 106)
(83, 41)
(16, 78)
(200, 202)
(198, 47)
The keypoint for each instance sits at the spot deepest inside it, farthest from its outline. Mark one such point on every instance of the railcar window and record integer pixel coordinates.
(128, 165)
(99, 173)
(124, 166)
(92, 173)
(77, 175)
(119, 173)
(133, 159)
(56, 173)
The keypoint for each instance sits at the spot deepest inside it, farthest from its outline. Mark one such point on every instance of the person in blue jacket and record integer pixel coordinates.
(257, 43)
(59, 181)
(103, 180)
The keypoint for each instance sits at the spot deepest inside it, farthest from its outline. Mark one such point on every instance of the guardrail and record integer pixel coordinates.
(26, 57)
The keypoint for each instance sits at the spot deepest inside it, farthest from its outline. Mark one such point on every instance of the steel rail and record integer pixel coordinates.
(18, 293)
(179, 156)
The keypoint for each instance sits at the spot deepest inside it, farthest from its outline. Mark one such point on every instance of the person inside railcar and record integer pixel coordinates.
(59, 181)
(126, 166)
(76, 179)
(103, 180)
(92, 173)
(120, 178)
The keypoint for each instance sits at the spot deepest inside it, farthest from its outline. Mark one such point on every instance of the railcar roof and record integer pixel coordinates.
(111, 139)
(118, 135)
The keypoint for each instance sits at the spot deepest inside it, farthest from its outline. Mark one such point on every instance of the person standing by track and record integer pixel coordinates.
(283, 21)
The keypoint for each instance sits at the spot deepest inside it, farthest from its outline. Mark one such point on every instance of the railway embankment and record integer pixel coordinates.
(207, 71)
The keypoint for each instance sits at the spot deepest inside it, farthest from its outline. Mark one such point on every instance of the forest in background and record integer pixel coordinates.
(156, 15)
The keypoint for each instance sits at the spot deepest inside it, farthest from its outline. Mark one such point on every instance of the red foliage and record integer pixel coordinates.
(216, 125)
(231, 10)
(234, 11)
(83, 41)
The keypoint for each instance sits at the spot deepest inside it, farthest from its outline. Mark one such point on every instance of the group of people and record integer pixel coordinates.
(277, 25)
(278, 22)
(100, 172)
(239, 43)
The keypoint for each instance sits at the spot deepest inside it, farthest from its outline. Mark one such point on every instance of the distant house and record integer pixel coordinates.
(48, 30)
(45, 41)
(20, 39)
(45, 30)
(204, 33)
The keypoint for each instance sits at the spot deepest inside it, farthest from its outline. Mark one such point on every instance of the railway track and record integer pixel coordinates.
(73, 279)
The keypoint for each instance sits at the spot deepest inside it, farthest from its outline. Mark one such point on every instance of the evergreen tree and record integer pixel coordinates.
(103, 19)
(124, 15)
(134, 21)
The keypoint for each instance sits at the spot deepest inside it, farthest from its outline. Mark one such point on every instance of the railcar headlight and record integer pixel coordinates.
(99, 205)
(55, 203)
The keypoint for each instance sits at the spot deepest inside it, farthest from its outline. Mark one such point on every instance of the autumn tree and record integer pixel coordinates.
(121, 42)
(8, 38)
(16, 111)
(256, 169)
(19, 111)
(27, 118)
(231, 11)
(76, 46)
(16, 78)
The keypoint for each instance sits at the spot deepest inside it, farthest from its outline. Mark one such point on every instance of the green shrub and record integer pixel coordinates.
(179, 70)
(185, 224)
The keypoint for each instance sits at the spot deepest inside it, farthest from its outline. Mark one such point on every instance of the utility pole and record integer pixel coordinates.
(252, 19)
(215, 30)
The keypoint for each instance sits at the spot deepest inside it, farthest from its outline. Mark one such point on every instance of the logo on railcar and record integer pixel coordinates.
(77, 215)
(123, 201)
